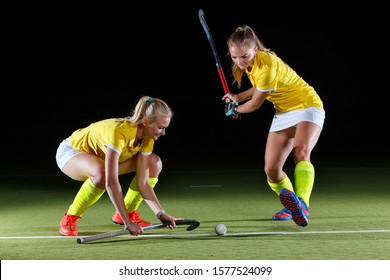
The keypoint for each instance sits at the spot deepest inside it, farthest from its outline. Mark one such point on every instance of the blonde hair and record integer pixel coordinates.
(151, 108)
(244, 35)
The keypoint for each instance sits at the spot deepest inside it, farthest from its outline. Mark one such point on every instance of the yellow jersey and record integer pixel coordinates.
(116, 133)
(288, 90)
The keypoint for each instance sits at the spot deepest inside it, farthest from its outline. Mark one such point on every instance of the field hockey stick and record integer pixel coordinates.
(192, 224)
(221, 73)
(215, 53)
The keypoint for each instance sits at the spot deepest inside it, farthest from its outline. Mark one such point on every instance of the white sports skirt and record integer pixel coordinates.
(65, 152)
(292, 118)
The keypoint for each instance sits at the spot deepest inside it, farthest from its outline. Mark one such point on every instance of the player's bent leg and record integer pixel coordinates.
(304, 180)
(86, 197)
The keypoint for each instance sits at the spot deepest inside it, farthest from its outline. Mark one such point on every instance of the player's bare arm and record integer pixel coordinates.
(114, 190)
(240, 97)
(253, 104)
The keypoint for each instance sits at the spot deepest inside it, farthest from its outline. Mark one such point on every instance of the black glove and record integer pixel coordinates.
(231, 110)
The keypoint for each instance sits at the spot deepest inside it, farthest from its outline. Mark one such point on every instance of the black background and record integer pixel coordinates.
(71, 63)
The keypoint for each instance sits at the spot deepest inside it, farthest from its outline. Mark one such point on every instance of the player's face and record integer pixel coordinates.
(156, 129)
(242, 55)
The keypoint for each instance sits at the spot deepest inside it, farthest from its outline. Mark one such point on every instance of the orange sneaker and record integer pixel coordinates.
(68, 225)
(134, 217)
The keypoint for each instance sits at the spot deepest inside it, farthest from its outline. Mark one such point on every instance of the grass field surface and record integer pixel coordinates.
(349, 212)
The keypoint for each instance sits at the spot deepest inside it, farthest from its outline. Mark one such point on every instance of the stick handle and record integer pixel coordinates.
(99, 236)
(104, 235)
(214, 50)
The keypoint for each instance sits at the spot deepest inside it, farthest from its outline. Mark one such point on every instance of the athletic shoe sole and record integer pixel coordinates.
(292, 203)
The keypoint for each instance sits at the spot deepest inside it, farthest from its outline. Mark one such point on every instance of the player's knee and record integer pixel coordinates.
(98, 177)
(155, 165)
(271, 172)
(301, 153)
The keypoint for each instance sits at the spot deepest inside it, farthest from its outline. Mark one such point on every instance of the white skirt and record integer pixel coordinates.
(292, 118)
(65, 152)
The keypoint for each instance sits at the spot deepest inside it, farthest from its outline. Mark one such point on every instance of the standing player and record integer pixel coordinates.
(100, 152)
(297, 123)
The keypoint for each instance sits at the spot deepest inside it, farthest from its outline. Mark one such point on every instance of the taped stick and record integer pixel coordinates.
(192, 224)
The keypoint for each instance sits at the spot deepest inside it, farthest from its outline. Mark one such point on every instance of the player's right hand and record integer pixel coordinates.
(134, 229)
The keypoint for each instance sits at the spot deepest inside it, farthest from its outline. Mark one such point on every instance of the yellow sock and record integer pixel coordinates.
(86, 197)
(284, 184)
(304, 180)
(133, 197)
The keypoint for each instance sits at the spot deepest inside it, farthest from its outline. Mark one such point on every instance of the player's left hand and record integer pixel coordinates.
(229, 97)
(165, 217)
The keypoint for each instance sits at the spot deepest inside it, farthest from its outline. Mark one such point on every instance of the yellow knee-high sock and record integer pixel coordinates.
(284, 184)
(133, 197)
(304, 180)
(86, 197)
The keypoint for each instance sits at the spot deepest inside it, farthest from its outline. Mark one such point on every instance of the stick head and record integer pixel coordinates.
(193, 224)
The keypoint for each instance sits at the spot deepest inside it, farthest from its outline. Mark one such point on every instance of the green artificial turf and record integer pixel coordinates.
(349, 219)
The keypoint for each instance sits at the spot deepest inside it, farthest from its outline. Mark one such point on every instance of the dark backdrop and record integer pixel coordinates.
(70, 63)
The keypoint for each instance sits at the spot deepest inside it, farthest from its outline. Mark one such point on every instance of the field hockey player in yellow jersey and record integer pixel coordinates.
(100, 152)
(296, 126)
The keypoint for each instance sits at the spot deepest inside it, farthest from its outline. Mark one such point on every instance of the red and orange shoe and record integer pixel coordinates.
(68, 225)
(134, 217)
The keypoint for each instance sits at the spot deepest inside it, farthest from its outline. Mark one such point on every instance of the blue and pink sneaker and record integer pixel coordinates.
(282, 215)
(285, 214)
(296, 206)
